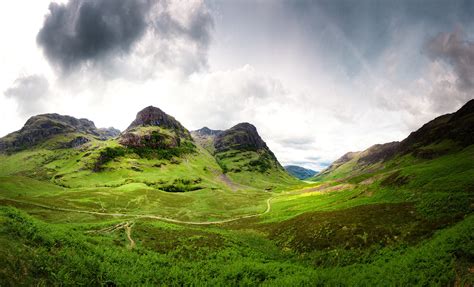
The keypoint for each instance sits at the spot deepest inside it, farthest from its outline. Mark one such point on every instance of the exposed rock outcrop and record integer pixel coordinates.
(108, 133)
(243, 136)
(206, 132)
(240, 139)
(152, 116)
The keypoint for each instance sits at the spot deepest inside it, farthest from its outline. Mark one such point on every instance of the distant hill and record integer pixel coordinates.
(299, 172)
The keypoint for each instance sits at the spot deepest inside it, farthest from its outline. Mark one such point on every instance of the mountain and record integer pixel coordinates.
(38, 129)
(155, 150)
(242, 153)
(205, 137)
(299, 172)
(442, 135)
(243, 136)
(154, 130)
(244, 156)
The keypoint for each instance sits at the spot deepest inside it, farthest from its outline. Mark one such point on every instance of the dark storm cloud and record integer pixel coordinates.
(457, 51)
(82, 31)
(29, 92)
(85, 32)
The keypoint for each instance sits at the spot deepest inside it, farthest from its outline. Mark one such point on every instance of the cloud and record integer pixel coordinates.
(453, 48)
(82, 31)
(122, 38)
(29, 93)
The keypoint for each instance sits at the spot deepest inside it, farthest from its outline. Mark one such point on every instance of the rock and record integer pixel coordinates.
(108, 133)
(152, 140)
(78, 141)
(240, 139)
(152, 116)
(243, 136)
(206, 132)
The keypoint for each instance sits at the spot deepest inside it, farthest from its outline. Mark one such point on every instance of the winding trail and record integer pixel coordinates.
(149, 216)
(128, 232)
(126, 226)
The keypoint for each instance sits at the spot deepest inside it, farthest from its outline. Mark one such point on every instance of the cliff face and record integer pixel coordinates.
(241, 148)
(243, 136)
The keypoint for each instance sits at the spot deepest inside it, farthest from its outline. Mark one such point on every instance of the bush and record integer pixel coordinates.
(110, 153)
(107, 155)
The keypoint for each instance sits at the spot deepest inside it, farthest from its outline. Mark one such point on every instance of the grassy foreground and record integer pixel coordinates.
(408, 222)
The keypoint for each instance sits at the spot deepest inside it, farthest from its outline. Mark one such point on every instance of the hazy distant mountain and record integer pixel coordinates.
(299, 171)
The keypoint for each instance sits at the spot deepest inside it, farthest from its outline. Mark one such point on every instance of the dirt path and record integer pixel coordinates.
(142, 215)
(225, 179)
(128, 231)
(126, 226)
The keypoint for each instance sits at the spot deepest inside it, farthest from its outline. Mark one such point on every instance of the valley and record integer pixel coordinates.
(157, 204)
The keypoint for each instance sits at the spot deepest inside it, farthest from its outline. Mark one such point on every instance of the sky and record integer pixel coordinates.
(317, 78)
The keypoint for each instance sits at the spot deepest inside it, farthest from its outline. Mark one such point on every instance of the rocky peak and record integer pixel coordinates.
(243, 136)
(205, 132)
(107, 133)
(153, 116)
(59, 123)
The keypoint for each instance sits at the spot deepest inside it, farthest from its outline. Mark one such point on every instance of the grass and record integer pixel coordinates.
(52, 254)
(407, 222)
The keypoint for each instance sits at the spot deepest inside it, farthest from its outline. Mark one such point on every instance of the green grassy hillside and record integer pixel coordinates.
(181, 214)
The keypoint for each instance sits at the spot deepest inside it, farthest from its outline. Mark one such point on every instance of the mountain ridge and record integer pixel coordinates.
(426, 142)
(40, 128)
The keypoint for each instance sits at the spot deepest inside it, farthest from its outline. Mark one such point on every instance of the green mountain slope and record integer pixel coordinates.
(153, 166)
(245, 157)
(446, 134)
